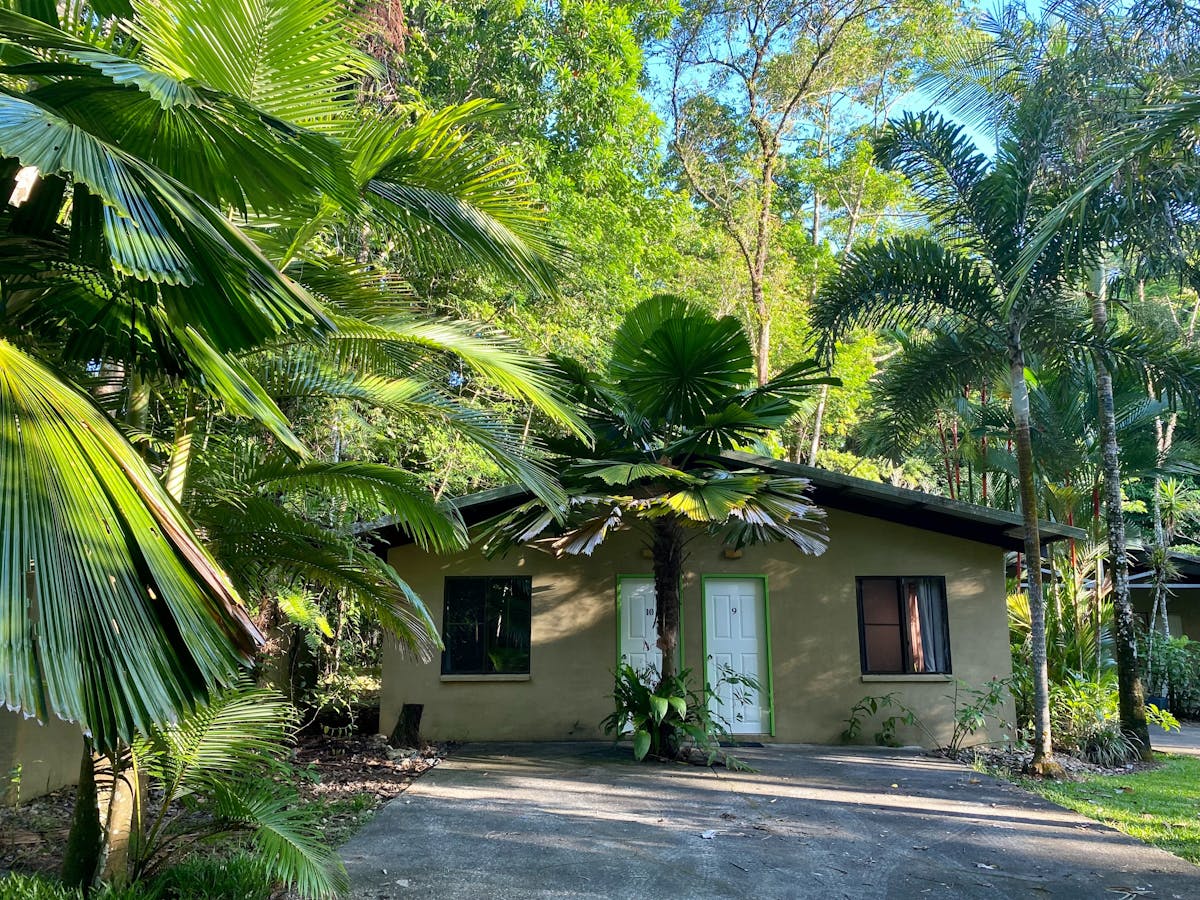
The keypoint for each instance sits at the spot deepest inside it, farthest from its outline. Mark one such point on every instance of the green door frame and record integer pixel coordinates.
(766, 599)
(645, 577)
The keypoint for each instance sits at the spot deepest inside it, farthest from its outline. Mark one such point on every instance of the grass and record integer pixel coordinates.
(236, 876)
(342, 817)
(1160, 806)
(219, 872)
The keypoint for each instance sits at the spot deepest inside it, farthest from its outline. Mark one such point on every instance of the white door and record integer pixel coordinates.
(639, 635)
(735, 636)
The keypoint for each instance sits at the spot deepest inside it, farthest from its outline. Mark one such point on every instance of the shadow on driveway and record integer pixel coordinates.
(584, 820)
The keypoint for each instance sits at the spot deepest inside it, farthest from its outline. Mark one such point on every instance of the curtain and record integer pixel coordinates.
(929, 625)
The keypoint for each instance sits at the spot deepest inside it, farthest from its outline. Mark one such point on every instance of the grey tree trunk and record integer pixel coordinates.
(1043, 746)
(1158, 605)
(820, 415)
(1132, 697)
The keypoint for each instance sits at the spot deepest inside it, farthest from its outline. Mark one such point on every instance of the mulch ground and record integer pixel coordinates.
(1015, 762)
(353, 775)
(346, 767)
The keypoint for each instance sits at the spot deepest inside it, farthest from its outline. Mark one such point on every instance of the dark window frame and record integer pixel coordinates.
(484, 672)
(905, 650)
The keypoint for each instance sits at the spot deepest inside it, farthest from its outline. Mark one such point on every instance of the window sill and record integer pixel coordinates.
(452, 679)
(908, 678)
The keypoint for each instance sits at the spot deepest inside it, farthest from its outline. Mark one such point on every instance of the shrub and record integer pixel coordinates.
(1085, 719)
(1175, 662)
(223, 770)
(239, 876)
(971, 707)
(15, 886)
(646, 704)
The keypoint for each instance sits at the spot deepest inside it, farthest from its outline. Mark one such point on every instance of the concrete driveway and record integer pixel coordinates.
(583, 820)
(1186, 740)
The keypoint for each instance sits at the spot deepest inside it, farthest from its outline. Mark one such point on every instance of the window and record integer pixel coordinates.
(902, 626)
(486, 625)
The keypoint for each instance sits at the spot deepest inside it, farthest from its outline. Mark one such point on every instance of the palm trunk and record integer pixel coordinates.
(1043, 748)
(667, 547)
(1132, 698)
(106, 826)
(1161, 543)
(816, 438)
(86, 839)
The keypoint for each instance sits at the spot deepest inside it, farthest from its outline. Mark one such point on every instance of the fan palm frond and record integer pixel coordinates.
(291, 60)
(119, 615)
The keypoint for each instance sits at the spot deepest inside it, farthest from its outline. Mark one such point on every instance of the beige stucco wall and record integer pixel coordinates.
(1183, 602)
(48, 756)
(814, 633)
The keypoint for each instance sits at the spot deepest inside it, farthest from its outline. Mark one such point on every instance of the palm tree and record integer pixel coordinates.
(126, 272)
(979, 212)
(680, 390)
(1089, 63)
(161, 170)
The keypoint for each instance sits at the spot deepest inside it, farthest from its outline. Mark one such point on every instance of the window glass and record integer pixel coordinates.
(507, 617)
(903, 626)
(486, 625)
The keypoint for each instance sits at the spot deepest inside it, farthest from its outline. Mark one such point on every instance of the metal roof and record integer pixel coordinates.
(831, 490)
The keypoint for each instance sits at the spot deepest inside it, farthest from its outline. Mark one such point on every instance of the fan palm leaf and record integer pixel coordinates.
(116, 615)
(174, 122)
(291, 60)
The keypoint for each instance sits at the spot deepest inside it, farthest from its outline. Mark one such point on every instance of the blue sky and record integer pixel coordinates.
(915, 101)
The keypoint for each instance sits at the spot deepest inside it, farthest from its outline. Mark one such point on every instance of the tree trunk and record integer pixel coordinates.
(816, 437)
(107, 821)
(762, 328)
(1159, 603)
(1043, 749)
(758, 270)
(86, 840)
(667, 548)
(1132, 698)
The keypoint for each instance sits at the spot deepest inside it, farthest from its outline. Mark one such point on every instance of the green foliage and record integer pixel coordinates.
(680, 390)
(226, 766)
(971, 708)
(16, 886)
(76, 496)
(220, 876)
(651, 706)
(869, 707)
(1177, 661)
(1086, 720)
(130, 278)
(237, 876)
